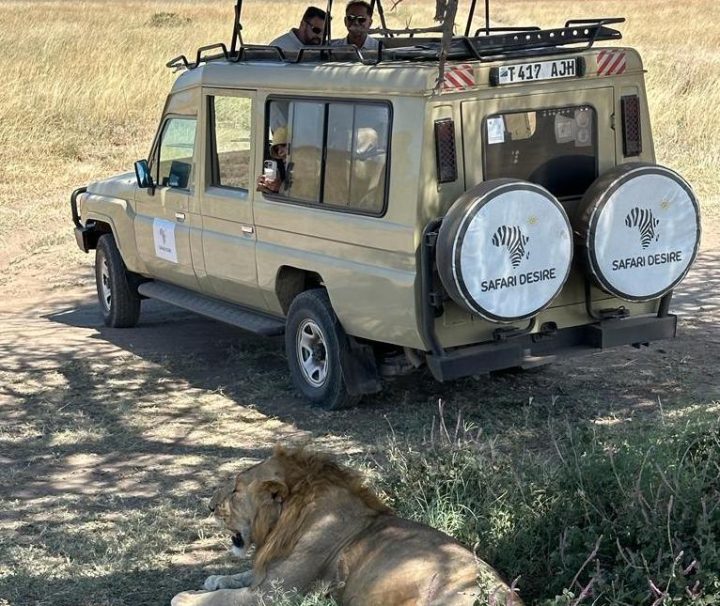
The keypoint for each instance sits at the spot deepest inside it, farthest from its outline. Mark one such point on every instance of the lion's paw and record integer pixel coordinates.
(188, 598)
(213, 582)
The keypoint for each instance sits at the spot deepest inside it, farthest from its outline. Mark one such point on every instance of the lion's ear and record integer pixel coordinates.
(277, 490)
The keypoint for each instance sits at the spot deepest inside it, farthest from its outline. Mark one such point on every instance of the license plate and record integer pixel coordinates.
(541, 70)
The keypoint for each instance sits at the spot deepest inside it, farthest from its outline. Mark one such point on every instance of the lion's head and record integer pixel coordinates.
(266, 505)
(250, 505)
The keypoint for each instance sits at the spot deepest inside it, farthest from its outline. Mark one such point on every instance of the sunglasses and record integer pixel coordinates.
(314, 28)
(356, 19)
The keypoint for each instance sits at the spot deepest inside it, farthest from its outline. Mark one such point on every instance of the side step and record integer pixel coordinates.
(250, 320)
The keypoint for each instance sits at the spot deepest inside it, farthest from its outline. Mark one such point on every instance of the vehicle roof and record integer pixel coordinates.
(397, 77)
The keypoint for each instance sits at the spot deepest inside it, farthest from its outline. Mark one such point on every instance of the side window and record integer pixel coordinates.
(356, 156)
(230, 117)
(331, 153)
(304, 162)
(176, 153)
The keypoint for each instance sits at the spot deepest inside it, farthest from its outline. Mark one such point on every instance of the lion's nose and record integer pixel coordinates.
(211, 507)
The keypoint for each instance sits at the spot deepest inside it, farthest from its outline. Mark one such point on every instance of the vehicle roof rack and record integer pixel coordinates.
(436, 43)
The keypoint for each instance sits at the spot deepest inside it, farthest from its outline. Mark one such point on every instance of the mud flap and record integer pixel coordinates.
(359, 369)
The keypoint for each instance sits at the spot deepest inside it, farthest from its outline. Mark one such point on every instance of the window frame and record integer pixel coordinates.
(155, 156)
(595, 132)
(213, 163)
(326, 101)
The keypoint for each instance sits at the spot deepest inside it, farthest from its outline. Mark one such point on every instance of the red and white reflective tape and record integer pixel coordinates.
(611, 62)
(458, 77)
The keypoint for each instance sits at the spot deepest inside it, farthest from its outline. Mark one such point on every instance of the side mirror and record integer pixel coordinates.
(143, 176)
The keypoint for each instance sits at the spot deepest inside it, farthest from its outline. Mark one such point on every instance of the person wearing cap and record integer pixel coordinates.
(278, 152)
(310, 32)
(358, 20)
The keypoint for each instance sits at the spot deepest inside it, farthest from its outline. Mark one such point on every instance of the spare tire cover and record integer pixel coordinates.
(639, 225)
(504, 249)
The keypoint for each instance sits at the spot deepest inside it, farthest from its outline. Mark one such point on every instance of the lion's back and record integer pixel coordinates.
(401, 562)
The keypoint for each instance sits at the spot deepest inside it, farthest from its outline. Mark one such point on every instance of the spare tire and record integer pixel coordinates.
(504, 250)
(639, 227)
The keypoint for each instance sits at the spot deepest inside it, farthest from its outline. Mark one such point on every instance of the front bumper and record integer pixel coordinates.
(84, 234)
(528, 350)
(86, 237)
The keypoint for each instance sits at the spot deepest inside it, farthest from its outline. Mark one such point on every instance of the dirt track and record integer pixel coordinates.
(53, 321)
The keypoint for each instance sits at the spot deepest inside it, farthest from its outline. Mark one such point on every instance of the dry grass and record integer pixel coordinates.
(679, 44)
(83, 93)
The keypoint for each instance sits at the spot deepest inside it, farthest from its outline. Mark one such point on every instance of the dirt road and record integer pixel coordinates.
(51, 326)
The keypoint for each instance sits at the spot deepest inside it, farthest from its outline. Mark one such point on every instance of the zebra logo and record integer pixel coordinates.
(512, 238)
(645, 221)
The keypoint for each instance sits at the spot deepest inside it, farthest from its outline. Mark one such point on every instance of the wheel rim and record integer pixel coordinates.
(311, 348)
(105, 291)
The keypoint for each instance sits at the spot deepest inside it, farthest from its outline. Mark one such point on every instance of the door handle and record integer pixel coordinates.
(248, 229)
(180, 217)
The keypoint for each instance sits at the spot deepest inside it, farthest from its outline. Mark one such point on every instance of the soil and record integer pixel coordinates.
(50, 316)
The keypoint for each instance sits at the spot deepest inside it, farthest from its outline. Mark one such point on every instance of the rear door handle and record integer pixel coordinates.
(180, 217)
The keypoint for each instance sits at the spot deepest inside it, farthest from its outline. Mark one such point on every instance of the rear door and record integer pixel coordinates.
(229, 268)
(562, 140)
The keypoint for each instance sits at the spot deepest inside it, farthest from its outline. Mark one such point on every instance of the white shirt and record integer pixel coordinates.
(288, 41)
(369, 44)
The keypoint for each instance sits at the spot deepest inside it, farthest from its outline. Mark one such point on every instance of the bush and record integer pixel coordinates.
(168, 20)
(607, 516)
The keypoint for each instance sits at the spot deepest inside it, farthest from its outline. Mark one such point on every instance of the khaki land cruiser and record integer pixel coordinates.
(466, 202)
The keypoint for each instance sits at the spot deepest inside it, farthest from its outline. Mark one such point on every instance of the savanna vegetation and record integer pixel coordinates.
(608, 494)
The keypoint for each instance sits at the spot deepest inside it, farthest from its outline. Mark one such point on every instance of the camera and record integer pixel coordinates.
(270, 169)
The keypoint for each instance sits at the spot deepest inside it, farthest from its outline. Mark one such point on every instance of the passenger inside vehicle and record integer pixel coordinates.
(274, 169)
(336, 154)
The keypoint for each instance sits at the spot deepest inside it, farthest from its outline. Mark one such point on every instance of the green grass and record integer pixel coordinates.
(609, 514)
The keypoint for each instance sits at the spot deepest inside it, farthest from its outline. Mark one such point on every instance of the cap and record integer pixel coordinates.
(280, 136)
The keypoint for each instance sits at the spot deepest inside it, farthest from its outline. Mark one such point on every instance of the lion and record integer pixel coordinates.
(313, 521)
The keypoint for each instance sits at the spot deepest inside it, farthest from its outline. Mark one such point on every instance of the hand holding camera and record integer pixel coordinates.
(269, 182)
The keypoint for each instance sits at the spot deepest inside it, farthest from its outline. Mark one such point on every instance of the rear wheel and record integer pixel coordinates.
(315, 345)
(119, 299)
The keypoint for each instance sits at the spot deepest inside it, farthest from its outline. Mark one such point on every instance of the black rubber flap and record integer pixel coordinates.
(639, 226)
(504, 250)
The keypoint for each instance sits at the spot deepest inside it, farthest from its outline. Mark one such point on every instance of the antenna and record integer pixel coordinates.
(381, 12)
(472, 14)
(237, 28)
(327, 31)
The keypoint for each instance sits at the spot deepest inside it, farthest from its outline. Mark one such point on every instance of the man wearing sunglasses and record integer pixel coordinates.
(310, 32)
(358, 19)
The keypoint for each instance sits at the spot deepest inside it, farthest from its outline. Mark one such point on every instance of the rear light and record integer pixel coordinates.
(445, 154)
(632, 134)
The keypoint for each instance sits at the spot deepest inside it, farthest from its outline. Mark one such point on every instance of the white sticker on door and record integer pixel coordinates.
(164, 238)
(495, 130)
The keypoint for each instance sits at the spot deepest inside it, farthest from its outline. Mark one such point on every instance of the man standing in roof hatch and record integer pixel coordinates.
(310, 32)
(358, 19)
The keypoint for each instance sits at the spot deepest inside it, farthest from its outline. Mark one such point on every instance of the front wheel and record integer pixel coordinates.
(119, 299)
(315, 345)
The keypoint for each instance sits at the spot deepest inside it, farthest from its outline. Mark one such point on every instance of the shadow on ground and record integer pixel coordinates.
(110, 440)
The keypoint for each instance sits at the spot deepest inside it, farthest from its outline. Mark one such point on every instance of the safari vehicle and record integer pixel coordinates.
(468, 202)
